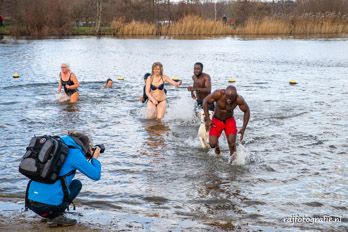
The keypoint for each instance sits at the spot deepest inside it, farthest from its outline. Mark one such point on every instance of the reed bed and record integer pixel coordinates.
(120, 28)
(276, 25)
(296, 25)
(187, 26)
(196, 26)
(306, 24)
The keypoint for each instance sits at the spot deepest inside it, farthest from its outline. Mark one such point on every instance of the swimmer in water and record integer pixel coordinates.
(156, 105)
(108, 83)
(69, 82)
(226, 101)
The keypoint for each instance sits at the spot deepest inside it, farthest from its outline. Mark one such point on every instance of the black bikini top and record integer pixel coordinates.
(160, 87)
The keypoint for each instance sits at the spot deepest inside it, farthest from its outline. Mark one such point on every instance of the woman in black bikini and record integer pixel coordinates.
(69, 82)
(156, 106)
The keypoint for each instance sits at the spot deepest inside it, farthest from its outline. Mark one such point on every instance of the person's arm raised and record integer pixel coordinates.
(91, 169)
(170, 81)
(243, 106)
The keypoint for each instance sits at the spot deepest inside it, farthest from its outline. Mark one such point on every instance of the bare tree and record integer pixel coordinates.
(98, 17)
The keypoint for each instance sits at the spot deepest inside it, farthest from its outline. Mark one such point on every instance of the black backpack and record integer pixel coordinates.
(44, 159)
(42, 162)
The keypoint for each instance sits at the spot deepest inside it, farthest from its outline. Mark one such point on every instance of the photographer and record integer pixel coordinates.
(51, 200)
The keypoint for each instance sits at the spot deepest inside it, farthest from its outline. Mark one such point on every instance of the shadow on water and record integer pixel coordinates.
(154, 140)
(71, 108)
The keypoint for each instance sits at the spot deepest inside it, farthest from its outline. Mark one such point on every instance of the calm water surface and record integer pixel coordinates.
(156, 173)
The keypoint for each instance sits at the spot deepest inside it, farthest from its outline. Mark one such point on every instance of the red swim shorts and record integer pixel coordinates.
(218, 126)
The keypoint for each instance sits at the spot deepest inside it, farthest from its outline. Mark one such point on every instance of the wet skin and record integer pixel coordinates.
(226, 101)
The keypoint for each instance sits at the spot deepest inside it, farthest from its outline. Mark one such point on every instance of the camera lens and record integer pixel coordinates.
(102, 147)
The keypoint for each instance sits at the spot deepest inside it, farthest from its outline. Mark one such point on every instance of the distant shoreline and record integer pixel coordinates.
(77, 33)
(311, 26)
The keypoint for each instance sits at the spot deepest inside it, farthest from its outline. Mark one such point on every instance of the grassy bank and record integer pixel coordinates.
(309, 24)
(4, 31)
(90, 31)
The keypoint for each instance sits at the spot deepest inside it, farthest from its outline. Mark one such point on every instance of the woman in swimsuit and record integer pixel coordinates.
(156, 106)
(69, 82)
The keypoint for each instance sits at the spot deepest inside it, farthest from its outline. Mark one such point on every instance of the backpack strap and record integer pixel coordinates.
(26, 206)
(65, 188)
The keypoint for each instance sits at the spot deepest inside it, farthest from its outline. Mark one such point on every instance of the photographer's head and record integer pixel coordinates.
(85, 143)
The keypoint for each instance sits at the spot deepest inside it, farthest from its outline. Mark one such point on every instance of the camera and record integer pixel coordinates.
(101, 146)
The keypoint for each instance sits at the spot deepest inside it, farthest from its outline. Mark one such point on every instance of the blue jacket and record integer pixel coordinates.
(52, 194)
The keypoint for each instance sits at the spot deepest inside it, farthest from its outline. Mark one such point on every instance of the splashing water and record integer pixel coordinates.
(192, 142)
(61, 97)
(181, 108)
(242, 156)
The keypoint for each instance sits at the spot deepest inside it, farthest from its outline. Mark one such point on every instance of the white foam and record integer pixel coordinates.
(61, 97)
(192, 142)
(181, 108)
(242, 156)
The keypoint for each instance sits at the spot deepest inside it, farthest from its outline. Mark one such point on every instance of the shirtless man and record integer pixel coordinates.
(201, 85)
(226, 101)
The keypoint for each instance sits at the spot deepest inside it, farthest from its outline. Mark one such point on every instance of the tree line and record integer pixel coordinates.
(62, 17)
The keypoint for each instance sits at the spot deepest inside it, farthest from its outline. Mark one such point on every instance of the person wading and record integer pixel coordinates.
(69, 82)
(226, 101)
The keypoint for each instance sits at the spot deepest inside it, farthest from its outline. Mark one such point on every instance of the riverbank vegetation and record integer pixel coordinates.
(167, 18)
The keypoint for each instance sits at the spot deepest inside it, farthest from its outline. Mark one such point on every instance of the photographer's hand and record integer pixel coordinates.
(96, 153)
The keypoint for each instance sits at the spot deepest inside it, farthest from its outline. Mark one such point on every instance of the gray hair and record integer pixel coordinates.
(67, 65)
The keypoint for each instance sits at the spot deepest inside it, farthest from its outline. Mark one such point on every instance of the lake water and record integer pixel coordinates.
(155, 176)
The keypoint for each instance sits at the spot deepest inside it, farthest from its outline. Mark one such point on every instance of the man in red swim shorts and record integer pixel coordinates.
(226, 101)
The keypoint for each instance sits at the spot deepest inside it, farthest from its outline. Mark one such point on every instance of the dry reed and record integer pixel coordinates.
(296, 25)
(187, 26)
(119, 27)
(196, 26)
(306, 24)
(327, 23)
